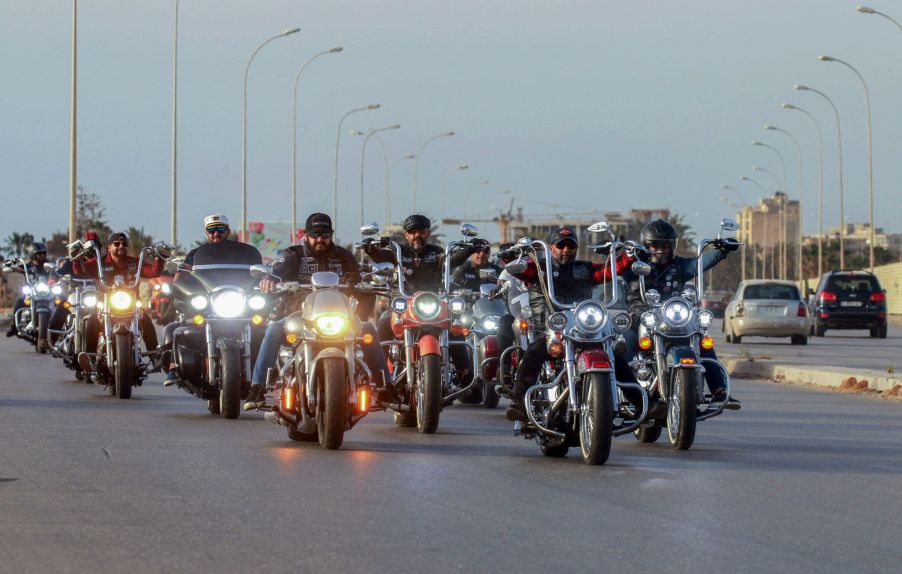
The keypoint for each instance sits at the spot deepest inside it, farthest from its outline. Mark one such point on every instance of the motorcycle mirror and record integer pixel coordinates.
(89, 245)
(469, 230)
(515, 267)
(524, 241)
(49, 268)
(600, 227)
(488, 274)
(729, 225)
(6, 268)
(370, 230)
(486, 289)
(641, 268)
(261, 271)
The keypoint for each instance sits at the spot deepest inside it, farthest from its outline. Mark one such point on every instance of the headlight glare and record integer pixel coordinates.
(649, 319)
(399, 304)
(490, 323)
(199, 302)
(705, 319)
(89, 300)
(331, 325)
(256, 302)
(228, 304)
(677, 312)
(590, 316)
(41, 289)
(121, 300)
(427, 306)
(57, 289)
(165, 288)
(457, 305)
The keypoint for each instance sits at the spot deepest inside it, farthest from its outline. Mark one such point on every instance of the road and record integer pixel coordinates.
(800, 480)
(836, 349)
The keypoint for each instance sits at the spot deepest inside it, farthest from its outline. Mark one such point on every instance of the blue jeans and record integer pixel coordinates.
(373, 355)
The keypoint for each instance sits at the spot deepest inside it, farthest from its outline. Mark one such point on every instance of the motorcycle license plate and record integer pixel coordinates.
(850, 304)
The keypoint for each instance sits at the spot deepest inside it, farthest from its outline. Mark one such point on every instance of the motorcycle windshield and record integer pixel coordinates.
(218, 264)
(484, 307)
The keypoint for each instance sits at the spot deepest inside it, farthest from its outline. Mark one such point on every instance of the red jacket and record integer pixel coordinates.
(128, 268)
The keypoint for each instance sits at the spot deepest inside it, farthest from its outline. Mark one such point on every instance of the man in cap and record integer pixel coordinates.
(315, 253)
(467, 275)
(217, 230)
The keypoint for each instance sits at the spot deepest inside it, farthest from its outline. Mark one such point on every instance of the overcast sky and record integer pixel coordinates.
(590, 104)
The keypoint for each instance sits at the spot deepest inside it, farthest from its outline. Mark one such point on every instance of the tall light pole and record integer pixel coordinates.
(458, 169)
(363, 160)
(744, 229)
(777, 187)
(294, 139)
(416, 168)
(801, 186)
(867, 102)
(388, 169)
(764, 233)
(335, 171)
(73, 131)
(842, 219)
(175, 79)
(820, 187)
(467, 195)
(243, 233)
(866, 10)
(783, 265)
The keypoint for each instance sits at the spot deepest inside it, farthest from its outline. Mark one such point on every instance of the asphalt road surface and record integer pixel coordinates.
(800, 480)
(835, 349)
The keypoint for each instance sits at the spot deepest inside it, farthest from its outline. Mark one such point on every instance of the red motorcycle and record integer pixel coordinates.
(162, 304)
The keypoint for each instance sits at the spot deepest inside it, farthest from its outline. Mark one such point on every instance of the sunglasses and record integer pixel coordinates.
(658, 244)
(119, 243)
(320, 234)
(565, 245)
(217, 229)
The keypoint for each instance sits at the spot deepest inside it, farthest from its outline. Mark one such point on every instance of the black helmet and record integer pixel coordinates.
(659, 230)
(417, 222)
(38, 247)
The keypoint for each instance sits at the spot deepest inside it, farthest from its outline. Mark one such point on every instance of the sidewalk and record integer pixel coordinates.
(851, 379)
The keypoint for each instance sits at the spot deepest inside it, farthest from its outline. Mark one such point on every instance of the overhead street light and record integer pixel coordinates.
(820, 185)
(783, 263)
(764, 246)
(458, 169)
(388, 170)
(801, 187)
(866, 10)
(243, 233)
(363, 160)
(337, 146)
(416, 168)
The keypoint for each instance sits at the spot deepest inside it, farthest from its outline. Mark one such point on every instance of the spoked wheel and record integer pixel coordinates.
(681, 409)
(123, 366)
(332, 408)
(429, 393)
(595, 420)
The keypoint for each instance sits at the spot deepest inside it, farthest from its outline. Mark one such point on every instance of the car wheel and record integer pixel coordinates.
(819, 330)
(799, 340)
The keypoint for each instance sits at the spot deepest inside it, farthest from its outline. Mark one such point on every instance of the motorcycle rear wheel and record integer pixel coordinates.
(230, 393)
(682, 409)
(595, 420)
(490, 398)
(332, 411)
(429, 393)
(123, 366)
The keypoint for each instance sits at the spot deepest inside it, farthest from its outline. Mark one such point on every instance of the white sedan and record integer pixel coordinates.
(762, 308)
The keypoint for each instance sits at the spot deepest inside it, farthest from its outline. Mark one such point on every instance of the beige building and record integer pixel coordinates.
(761, 229)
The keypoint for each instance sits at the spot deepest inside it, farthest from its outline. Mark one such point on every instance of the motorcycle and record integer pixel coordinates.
(324, 387)
(222, 324)
(118, 363)
(162, 303)
(33, 321)
(482, 321)
(577, 400)
(81, 303)
(669, 365)
(423, 377)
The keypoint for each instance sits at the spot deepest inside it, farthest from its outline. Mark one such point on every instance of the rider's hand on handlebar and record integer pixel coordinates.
(268, 285)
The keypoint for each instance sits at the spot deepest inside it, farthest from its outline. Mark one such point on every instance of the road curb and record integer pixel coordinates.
(837, 377)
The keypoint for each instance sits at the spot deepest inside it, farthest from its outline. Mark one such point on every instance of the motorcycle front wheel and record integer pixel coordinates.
(123, 371)
(681, 409)
(332, 407)
(41, 343)
(429, 393)
(230, 393)
(595, 420)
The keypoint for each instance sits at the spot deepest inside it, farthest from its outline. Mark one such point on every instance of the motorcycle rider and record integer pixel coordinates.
(217, 230)
(115, 262)
(467, 275)
(573, 282)
(315, 253)
(58, 320)
(35, 268)
(668, 275)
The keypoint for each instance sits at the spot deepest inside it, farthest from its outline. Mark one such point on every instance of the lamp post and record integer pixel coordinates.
(73, 131)
(867, 102)
(294, 138)
(175, 78)
(363, 160)
(801, 186)
(782, 213)
(458, 169)
(388, 169)
(467, 195)
(842, 219)
(416, 167)
(247, 69)
(820, 186)
(866, 10)
(783, 265)
(745, 231)
(335, 171)
(764, 233)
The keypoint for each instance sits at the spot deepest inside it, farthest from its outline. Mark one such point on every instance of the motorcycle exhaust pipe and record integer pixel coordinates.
(395, 407)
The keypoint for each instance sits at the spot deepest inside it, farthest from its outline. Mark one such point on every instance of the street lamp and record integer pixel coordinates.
(799, 151)
(73, 140)
(866, 10)
(363, 160)
(820, 185)
(175, 78)
(467, 195)
(783, 266)
(388, 169)
(243, 233)
(458, 169)
(842, 219)
(416, 167)
(294, 138)
(867, 102)
(764, 246)
(337, 146)
(743, 226)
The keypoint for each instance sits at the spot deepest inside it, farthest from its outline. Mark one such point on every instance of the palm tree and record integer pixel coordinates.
(137, 239)
(18, 244)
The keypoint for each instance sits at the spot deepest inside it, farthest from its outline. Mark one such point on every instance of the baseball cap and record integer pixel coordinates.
(318, 221)
(561, 234)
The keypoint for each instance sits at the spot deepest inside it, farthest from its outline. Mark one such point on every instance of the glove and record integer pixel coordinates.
(728, 245)
(164, 251)
(479, 243)
(369, 246)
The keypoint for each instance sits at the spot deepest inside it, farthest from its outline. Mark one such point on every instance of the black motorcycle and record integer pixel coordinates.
(82, 305)
(33, 321)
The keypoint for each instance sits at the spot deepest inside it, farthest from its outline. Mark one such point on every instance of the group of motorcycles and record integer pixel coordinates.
(322, 385)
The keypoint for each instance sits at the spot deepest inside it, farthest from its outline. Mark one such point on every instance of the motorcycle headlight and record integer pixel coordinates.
(399, 304)
(705, 319)
(121, 300)
(649, 319)
(256, 302)
(490, 323)
(26, 290)
(457, 305)
(89, 300)
(199, 302)
(427, 306)
(590, 316)
(622, 322)
(677, 312)
(71, 299)
(228, 304)
(653, 296)
(57, 289)
(41, 289)
(557, 322)
(166, 288)
(331, 325)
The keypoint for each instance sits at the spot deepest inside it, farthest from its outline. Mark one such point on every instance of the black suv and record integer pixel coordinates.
(848, 300)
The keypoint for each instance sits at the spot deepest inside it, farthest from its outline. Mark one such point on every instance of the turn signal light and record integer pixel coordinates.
(645, 343)
(687, 361)
(368, 338)
(198, 319)
(57, 301)
(288, 398)
(556, 349)
(524, 325)
(292, 338)
(363, 402)
(28, 301)
(67, 305)
(707, 343)
(257, 320)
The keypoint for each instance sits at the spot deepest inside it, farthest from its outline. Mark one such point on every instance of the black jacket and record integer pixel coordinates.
(423, 269)
(299, 263)
(668, 280)
(467, 276)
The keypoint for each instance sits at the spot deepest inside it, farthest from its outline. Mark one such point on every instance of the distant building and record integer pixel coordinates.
(770, 252)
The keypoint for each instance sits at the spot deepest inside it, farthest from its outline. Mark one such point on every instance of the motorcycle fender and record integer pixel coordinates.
(428, 345)
(593, 361)
(490, 346)
(679, 357)
(488, 349)
(327, 353)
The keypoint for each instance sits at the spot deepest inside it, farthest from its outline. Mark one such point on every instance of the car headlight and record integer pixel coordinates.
(41, 289)
(89, 300)
(705, 319)
(557, 322)
(26, 290)
(57, 289)
(427, 306)
(649, 319)
(228, 304)
(457, 305)
(590, 316)
(331, 325)
(199, 302)
(622, 322)
(121, 300)
(677, 312)
(490, 323)
(256, 302)
(166, 288)
(399, 304)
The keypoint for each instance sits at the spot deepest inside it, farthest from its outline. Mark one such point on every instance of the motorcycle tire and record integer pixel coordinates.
(429, 393)
(474, 397)
(490, 397)
(650, 434)
(556, 451)
(682, 409)
(213, 406)
(41, 343)
(405, 420)
(296, 435)
(332, 411)
(123, 365)
(230, 377)
(596, 418)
